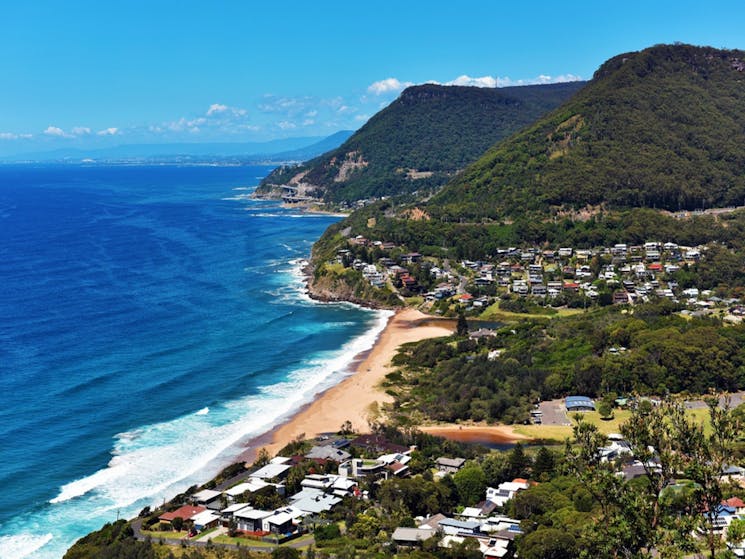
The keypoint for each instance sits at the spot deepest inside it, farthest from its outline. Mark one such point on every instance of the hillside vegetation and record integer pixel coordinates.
(421, 140)
(659, 128)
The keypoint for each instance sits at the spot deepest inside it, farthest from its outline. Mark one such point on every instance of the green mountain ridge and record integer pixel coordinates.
(421, 140)
(659, 128)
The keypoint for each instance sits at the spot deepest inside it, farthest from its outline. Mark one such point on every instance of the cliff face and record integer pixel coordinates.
(330, 289)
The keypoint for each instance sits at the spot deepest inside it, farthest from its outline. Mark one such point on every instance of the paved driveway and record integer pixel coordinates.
(554, 413)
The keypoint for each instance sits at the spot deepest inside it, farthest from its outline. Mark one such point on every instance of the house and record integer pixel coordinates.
(733, 472)
(620, 298)
(449, 465)
(411, 258)
(226, 514)
(357, 467)
(313, 501)
(499, 524)
(723, 517)
(279, 523)
(579, 403)
(411, 536)
(328, 453)
(737, 504)
(377, 444)
(431, 522)
(505, 491)
(207, 498)
(494, 548)
(453, 527)
(251, 520)
(472, 513)
(272, 470)
(251, 485)
(184, 513)
(205, 520)
(482, 333)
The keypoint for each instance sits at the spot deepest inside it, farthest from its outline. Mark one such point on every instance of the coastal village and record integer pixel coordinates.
(311, 495)
(566, 276)
(226, 513)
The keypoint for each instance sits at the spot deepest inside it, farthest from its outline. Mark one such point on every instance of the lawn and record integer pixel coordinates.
(243, 542)
(560, 432)
(170, 535)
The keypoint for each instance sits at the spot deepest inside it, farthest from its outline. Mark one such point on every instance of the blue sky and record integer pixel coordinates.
(90, 73)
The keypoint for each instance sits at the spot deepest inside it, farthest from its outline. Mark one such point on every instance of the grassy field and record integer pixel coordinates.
(494, 312)
(560, 433)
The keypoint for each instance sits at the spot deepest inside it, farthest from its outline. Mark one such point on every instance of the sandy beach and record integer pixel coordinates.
(353, 398)
(476, 433)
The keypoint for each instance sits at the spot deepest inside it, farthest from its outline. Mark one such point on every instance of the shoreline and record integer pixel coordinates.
(356, 397)
(476, 433)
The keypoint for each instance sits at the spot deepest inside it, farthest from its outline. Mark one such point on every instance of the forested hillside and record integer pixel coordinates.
(421, 140)
(660, 128)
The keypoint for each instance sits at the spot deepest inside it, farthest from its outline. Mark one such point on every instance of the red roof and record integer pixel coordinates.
(185, 513)
(466, 297)
(655, 266)
(735, 502)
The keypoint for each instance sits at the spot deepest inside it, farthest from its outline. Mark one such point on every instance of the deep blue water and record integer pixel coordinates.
(151, 318)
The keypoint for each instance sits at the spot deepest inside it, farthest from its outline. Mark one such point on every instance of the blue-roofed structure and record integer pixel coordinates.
(579, 403)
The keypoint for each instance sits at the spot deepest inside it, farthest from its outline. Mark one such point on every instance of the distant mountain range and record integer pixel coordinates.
(420, 141)
(283, 150)
(660, 128)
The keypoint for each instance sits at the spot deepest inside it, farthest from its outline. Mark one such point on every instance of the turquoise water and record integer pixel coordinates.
(151, 319)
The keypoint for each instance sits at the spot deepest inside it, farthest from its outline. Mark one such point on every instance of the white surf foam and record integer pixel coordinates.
(22, 545)
(166, 458)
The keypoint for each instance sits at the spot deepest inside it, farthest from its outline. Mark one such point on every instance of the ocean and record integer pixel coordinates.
(152, 318)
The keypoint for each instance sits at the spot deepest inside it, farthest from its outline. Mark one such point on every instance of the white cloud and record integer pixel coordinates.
(390, 85)
(483, 81)
(216, 108)
(112, 131)
(387, 85)
(81, 131)
(540, 79)
(286, 125)
(249, 127)
(361, 118)
(308, 122)
(14, 136)
(55, 131)
(220, 109)
(289, 106)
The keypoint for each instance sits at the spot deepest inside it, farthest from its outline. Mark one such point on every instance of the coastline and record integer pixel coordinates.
(353, 398)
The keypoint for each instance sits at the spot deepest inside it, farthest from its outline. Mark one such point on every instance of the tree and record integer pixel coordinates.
(262, 458)
(605, 410)
(548, 543)
(545, 462)
(519, 462)
(462, 327)
(643, 515)
(736, 532)
(471, 484)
